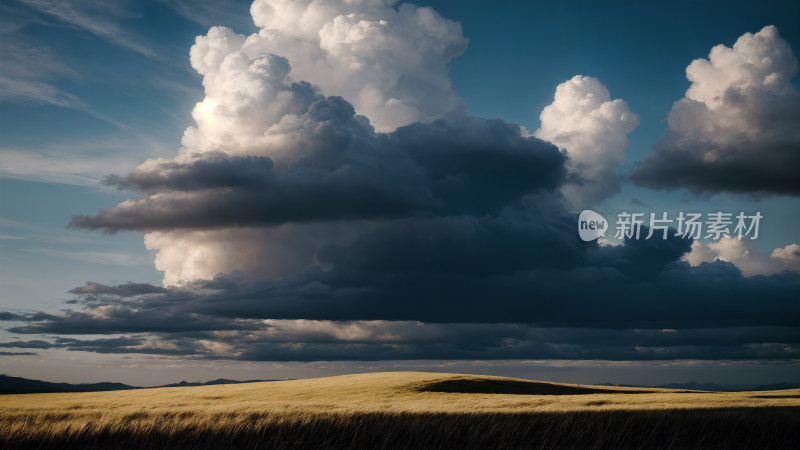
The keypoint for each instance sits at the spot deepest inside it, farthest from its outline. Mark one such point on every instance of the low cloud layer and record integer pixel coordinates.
(310, 340)
(467, 292)
(736, 128)
(611, 287)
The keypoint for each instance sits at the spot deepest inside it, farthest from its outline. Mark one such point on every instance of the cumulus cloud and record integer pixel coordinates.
(745, 256)
(213, 212)
(277, 167)
(789, 256)
(313, 174)
(736, 128)
(389, 61)
(593, 129)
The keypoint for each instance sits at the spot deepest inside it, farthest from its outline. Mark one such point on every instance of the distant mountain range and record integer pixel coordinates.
(18, 385)
(695, 386)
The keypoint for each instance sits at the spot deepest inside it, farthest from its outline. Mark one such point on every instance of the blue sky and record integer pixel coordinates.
(94, 89)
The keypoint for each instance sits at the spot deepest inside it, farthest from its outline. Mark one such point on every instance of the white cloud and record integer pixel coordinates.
(390, 63)
(592, 128)
(761, 61)
(736, 128)
(789, 256)
(745, 256)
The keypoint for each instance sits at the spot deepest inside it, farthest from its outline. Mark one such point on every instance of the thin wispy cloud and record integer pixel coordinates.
(213, 12)
(80, 163)
(27, 74)
(97, 17)
(104, 258)
(14, 16)
(30, 74)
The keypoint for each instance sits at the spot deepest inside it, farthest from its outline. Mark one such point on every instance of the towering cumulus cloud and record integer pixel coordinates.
(736, 128)
(335, 201)
(284, 165)
(592, 128)
(388, 60)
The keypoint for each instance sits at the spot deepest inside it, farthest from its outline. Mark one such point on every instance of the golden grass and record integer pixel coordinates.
(400, 410)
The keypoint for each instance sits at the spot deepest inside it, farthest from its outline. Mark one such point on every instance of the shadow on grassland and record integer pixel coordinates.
(516, 387)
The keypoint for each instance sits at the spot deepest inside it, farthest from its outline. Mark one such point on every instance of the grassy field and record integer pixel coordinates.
(402, 410)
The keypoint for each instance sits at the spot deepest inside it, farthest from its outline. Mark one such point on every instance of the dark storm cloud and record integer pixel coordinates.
(36, 343)
(35, 317)
(130, 317)
(530, 350)
(641, 284)
(746, 166)
(5, 315)
(643, 259)
(457, 165)
(135, 344)
(518, 239)
(515, 284)
(122, 290)
(496, 341)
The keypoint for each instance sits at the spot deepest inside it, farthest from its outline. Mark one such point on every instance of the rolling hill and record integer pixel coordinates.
(401, 410)
(18, 385)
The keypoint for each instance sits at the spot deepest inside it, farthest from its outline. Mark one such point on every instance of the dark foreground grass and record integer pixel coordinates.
(730, 428)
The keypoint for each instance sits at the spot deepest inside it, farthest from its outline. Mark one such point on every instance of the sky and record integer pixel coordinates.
(200, 190)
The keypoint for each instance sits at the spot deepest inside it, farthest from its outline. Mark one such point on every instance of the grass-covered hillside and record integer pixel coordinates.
(402, 410)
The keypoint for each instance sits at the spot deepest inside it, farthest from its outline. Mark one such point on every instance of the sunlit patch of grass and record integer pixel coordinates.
(396, 410)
